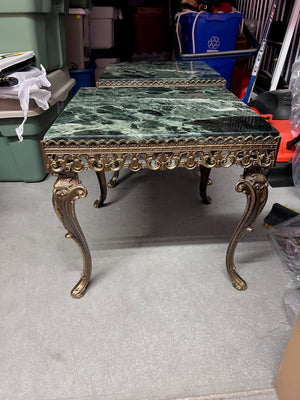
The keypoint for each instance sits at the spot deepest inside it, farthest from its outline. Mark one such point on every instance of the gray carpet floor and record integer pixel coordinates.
(160, 319)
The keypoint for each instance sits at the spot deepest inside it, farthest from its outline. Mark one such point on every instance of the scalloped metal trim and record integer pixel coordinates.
(122, 143)
(159, 83)
(113, 155)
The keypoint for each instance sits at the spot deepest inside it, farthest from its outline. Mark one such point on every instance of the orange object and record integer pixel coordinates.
(284, 128)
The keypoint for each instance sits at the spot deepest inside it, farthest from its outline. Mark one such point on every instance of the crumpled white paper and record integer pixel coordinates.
(29, 86)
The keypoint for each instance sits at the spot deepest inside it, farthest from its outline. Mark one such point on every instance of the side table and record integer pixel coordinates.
(157, 128)
(163, 73)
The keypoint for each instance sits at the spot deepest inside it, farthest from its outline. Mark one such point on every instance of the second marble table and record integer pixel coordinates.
(159, 74)
(157, 128)
(164, 73)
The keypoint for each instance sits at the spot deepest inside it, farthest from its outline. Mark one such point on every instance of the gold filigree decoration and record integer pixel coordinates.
(162, 154)
(211, 140)
(162, 161)
(159, 83)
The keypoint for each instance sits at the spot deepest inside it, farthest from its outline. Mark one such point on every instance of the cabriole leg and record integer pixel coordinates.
(254, 185)
(113, 182)
(204, 181)
(67, 189)
(103, 189)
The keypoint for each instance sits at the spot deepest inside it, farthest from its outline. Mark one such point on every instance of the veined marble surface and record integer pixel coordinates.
(168, 71)
(168, 112)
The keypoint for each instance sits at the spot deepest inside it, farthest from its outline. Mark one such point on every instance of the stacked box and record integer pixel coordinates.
(86, 30)
(102, 27)
(77, 38)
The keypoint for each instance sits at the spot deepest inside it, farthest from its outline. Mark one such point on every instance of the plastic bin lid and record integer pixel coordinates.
(34, 6)
(61, 84)
(80, 11)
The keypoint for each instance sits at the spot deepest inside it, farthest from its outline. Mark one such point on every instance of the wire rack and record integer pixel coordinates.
(258, 11)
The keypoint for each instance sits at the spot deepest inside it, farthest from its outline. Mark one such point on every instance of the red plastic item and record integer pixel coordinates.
(225, 7)
(239, 80)
(284, 128)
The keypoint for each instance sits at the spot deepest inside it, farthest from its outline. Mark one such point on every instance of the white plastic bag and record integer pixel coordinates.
(295, 119)
(29, 86)
(285, 238)
(296, 168)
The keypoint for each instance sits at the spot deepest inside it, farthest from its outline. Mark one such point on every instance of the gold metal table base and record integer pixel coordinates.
(68, 188)
(67, 159)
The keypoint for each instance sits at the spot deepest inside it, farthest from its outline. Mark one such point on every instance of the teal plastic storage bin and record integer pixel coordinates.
(23, 161)
(207, 32)
(34, 6)
(44, 34)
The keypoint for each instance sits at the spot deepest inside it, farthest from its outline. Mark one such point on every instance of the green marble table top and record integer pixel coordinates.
(156, 113)
(160, 73)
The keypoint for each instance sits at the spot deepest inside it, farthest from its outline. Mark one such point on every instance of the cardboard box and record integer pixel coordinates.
(287, 383)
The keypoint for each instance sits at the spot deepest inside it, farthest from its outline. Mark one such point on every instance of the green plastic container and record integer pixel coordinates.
(44, 34)
(35, 25)
(34, 6)
(23, 161)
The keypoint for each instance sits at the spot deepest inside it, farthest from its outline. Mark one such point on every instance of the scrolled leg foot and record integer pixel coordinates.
(103, 189)
(114, 180)
(237, 282)
(67, 189)
(78, 290)
(254, 185)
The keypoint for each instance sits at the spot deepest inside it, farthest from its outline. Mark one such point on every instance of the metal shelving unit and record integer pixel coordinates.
(257, 10)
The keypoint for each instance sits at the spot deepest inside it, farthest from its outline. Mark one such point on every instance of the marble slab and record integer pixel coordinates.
(160, 73)
(167, 112)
